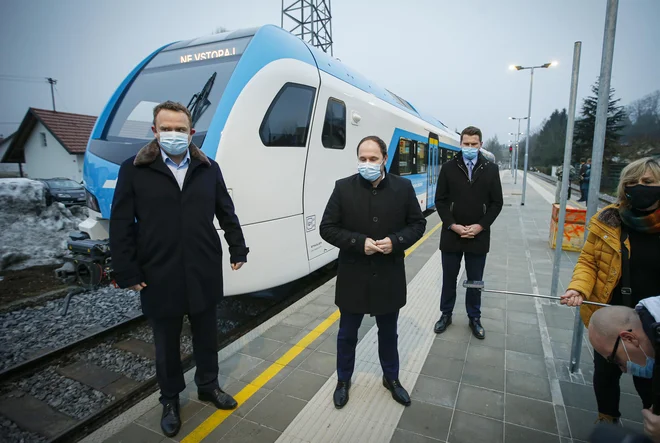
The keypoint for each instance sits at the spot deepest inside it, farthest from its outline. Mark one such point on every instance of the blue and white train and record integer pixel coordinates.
(283, 120)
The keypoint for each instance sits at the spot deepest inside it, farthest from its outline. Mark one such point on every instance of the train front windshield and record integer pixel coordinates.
(195, 77)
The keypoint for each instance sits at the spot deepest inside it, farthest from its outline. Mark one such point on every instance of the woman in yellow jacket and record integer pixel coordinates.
(598, 272)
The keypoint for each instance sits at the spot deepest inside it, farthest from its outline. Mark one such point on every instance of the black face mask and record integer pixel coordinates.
(642, 196)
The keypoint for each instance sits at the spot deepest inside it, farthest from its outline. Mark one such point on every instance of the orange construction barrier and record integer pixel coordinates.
(573, 228)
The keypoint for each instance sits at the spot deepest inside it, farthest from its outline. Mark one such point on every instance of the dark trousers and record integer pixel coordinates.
(451, 266)
(606, 387)
(584, 191)
(347, 339)
(167, 334)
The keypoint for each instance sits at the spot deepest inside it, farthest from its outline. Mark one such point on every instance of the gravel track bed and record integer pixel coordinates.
(11, 433)
(25, 332)
(145, 334)
(132, 366)
(66, 395)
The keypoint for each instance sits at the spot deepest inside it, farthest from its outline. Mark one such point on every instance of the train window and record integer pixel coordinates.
(406, 151)
(421, 158)
(287, 121)
(180, 83)
(333, 135)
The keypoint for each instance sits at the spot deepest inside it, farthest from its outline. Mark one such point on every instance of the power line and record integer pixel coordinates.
(22, 78)
(27, 77)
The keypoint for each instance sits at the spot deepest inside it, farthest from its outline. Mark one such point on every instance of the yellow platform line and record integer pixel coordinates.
(216, 419)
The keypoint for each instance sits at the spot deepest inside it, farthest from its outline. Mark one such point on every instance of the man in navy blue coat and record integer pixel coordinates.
(164, 245)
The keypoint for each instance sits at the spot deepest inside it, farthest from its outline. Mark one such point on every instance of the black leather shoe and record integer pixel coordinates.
(398, 392)
(340, 396)
(170, 422)
(441, 325)
(477, 330)
(219, 398)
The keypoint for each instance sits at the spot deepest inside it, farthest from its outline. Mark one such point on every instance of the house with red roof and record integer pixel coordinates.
(50, 144)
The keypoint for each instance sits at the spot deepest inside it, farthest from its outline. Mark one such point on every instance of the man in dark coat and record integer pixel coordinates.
(372, 217)
(468, 199)
(164, 244)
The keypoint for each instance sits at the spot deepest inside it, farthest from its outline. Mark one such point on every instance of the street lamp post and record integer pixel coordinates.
(518, 134)
(529, 114)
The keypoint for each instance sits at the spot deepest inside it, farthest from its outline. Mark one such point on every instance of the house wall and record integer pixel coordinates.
(51, 160)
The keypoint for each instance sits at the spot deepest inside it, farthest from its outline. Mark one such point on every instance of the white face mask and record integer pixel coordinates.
(173, 142)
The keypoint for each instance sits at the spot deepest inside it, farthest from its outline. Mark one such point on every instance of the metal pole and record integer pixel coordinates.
(511, 157)
(282, 16)
(598, 148)
(331, 39)
(52, 93)
(565, 183)
(517, 150)
(529, 118)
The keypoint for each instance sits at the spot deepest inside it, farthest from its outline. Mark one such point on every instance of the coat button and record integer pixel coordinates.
(400, 238)
(352, 241)
(375, 219)
(374, 192)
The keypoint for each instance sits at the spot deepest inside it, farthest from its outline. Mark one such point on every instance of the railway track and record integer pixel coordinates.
(603, 198)
(64, 362)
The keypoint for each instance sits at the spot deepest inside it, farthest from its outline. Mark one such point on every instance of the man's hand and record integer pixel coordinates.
(138, 287)
(370, 247)
(473, 230)
(385, 245)
(459, 229)
(236, 266)
(571, 298)
(651, 425)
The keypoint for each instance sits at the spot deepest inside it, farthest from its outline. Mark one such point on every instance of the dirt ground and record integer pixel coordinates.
(17, 285)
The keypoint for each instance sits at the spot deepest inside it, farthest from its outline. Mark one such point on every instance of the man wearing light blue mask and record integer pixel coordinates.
(624, 337)
(468, 198)
(372, 217)
(165, 246)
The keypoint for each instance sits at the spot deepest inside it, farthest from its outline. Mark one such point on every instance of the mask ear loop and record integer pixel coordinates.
(626, 351)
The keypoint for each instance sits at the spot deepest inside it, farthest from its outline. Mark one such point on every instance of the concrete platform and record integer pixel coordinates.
(514, 386)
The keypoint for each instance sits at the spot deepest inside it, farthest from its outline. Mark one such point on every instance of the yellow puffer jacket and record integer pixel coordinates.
(598, 268)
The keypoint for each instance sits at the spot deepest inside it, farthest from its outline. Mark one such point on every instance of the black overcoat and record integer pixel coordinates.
(466, 202)
(165, 237)
(372, 284)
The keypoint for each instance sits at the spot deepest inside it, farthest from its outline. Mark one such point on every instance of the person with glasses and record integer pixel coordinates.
(625, 338)
(620, 265)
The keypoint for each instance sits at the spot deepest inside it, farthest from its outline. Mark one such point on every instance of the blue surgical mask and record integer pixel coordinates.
(174, 143)
(470, 153)
(636, 370)
(370, 171)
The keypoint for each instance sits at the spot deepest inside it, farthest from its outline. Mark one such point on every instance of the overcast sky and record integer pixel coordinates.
(447, 57)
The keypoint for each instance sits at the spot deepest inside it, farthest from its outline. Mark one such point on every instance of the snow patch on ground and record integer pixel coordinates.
(31, 233)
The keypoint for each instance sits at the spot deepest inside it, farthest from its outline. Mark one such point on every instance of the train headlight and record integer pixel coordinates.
(91, 201)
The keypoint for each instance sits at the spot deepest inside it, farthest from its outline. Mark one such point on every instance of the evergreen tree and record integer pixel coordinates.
(548, 144)
(585, 126)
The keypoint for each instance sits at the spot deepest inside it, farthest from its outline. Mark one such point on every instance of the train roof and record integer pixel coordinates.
(323, 61)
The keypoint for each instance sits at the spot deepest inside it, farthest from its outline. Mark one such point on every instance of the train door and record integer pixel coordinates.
(329, 158)
(433, 170)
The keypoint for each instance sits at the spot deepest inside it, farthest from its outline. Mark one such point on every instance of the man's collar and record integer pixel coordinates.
(167, 158)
